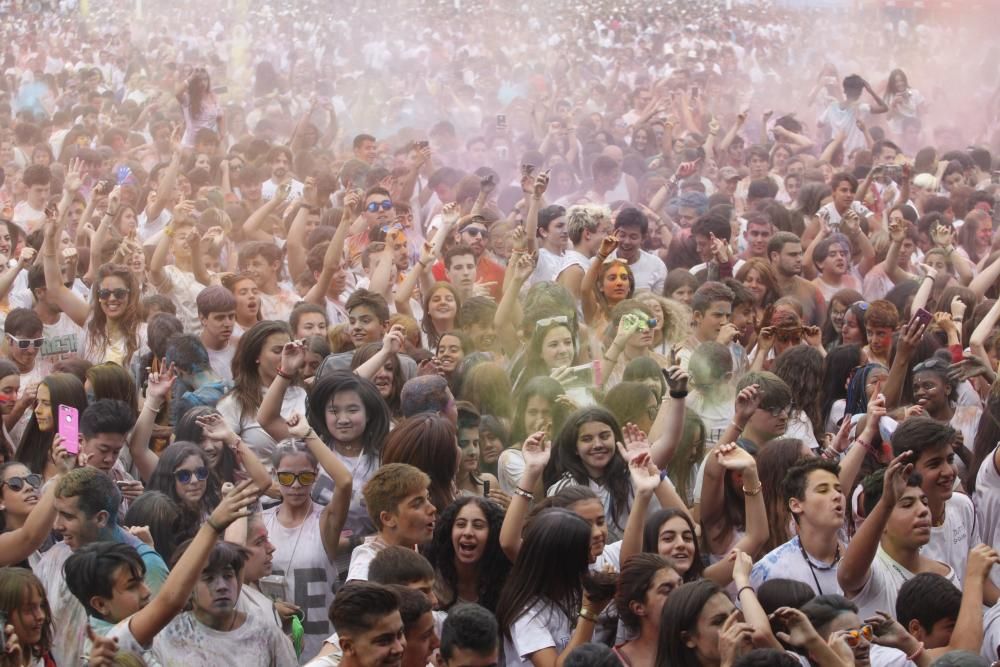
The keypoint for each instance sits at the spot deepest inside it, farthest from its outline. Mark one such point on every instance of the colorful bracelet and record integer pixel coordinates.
(518, 491)
(283, 374)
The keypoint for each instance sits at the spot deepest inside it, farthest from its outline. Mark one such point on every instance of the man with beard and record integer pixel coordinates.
(472, 231)
(279, 159)
(631, 229)
(217, 312)
(784, 251)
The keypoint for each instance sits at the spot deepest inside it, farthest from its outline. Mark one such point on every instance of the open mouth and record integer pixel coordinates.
(467, 548)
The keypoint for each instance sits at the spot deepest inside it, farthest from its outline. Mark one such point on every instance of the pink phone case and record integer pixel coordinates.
(69, 428)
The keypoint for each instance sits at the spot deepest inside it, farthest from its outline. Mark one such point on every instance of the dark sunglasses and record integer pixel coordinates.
(185, 476)
(25, 343)
(288, 478)
(17, 483)
(120, 293)
(474, 231)
(386, 205)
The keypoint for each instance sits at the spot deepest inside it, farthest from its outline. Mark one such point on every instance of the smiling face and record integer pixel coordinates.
(114, 306)
(937, 467)
(843, 196)
(757, 235)
(381, 646)
(346, 416)
(676, 540)
(537, 414)
(557, 347)
(592, 511)
(595, 445)
(850, 621)
(384, 378)
(442, 304)
(469, 534)
(9, 387)
(29, 619)
(930, 391)
(73, 524)
(193, 491)
(18, 503)
(450, 353)
(365, 326)
(629, 242)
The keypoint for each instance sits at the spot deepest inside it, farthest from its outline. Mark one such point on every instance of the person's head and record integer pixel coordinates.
(378, 211)
(537, 408)
(428, 393)
(244, 288)
(427, 441)
(104, 427)
(586, 225)
(441, 302)
(158, 512)
(399, 503)
(257, 358)
(710, 226)
(107, 579)
(881, 321)
(671, 534)
(711, 309)
(927, 606)
(343, 407)
(633, 402)
(308, 319)
(812, 493)
(758, 234)
(932, 445)
(468, 534)
(460, 266)
(832, 256)
(419, 626)
(279, 159)
(644, 584)
(586, 448)
(396, 565)
(552, 344)
(10, 385)
(23, 337)
(452, 347)
(218, 587)
(87, 503)
(690, 623)
(364, 148)
(757, 275)
(909, 524)
(771, 416)
(932, 387)
(261, 260)
(784, 251)
(833, 613)
(472, 233)
(24, 604)
(475, 318)
(368, 624)
(217, 313)
(37, 179)
(183, 474)
(296, 470)
(616, 282)
(469, 637)
(631, 227)
(368, 316)
(20, 490)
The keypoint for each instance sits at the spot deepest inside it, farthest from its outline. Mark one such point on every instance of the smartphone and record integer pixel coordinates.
(486, 488)
(923, 316)
(694, 92)
(69, 428)
(273, 586)
(501, 121)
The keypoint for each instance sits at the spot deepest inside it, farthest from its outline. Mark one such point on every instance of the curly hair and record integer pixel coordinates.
(494, 566)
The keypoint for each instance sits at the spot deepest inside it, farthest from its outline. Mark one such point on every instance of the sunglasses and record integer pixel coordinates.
(120, 293)
(25, 343)
(474, 231)
(386, 205)
(558, 319)
(185, 476)
(17, 483)
(288, 478)
(780, 412)
(930, 364)
(853, 637)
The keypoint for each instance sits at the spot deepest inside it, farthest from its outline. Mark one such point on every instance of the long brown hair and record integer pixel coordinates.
(429, 442)
(246, 369)
(97, 326)
(15, 586)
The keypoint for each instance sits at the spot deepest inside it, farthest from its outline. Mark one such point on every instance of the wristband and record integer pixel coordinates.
(283, 374)
(744, 588)
(678, 394)
(752, 492)
(214, 526)
(518, 491)
(588, 615)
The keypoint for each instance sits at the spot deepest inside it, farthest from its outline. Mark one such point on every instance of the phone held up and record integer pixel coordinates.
(69, 428)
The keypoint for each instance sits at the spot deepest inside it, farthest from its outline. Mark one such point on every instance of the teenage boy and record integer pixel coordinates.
(472, 231)
(460, 269)
(368, 621)
(399, 505)
(631, 228)
(367, 317)
(711, 233)
(263, 261)
(843, 116)
(885, 552)
(217, 314)
(769, 418)
(87, 503)
(469, 638)
(711, 310)
(843, 203)
(62, 335)
(586, 225)
(23, 338)
(104, 429)
(107, 579)
(784, 251)
(30, 213)
(954, 531)
(812, 492)
(832, 259)
(552, 238)
(759, 231)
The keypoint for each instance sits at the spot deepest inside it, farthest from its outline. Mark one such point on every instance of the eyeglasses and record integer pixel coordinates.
(558, 319)
(119, 293)
(853, 637)
(386, 205)
(25, 343)
(785, 335)
(17, 483)
(185, 476)
(779, 412)
(474, 231)
(288, 478)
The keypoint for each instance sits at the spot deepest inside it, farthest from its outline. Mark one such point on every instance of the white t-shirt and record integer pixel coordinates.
(649, 270)
(183, 289)
(222, 360)
(846, 120)
(991, 633)
(269, 187)
(986, 500)
(548, 267)
(828, 290)
(951, 542)
(185, 642)
(250, 430)
(885, 578)
(62, 340)
(27, 217)
(309, 574)
(362, 557)
(126, 641)
(510, 467)
(148, 230)
(69, 619)
(835, 217)
(540, 626)
(278, 306)
(788, 561)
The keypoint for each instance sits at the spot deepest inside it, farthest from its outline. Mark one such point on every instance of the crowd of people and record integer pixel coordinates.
(529, 339)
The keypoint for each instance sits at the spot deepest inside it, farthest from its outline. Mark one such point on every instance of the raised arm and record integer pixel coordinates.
(508, 317)
(713, 491)
(668, 427)
(977, 341)
(252, 227)
(535, 204)
(408, 183)
(880, 105)
(335, 513)
(988, 277)
(157, 390)
(214, 427)
(909, 337)
(897, 234)
(165, 192)
(734, 129)
(536, 451)
(381, 280)
(645, 480)
(76, 308)
(7, 278)
(17, 544)
(864, 253)
(588, 286)
(293, 356)
(334, 256)
(853, 573)
(392, 343)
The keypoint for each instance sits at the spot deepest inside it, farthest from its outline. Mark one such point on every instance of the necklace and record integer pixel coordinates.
(824, 566)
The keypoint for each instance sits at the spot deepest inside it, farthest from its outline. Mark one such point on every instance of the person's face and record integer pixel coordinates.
(936, 466)
(442, 304)
(6, 245)
(400, 253)
(850, 621)
(37, 194)
(484, 336)
(263, 272)
(850, 333)
(755, 285)
(129, 594)
(843, 195)
(952, 181)
(381, 646)
(192, 491)
(381, 216)
(29, 619)
(127, 222)
(251, 191)
(280, 166)
(537, 414)
(311, 324)
(684, 294)
(469, 534)
(450, 353)
(592, 511)
(414, 518)
(219, 326)
(312, 364)
(823, 502)
(557, 348)
(556, 235)
(660, 587)
(874, 382)
(910, 521)
(259, 564)
(879, 339)
(616, 285)
(781, 158)
(43, 408)
(836, 261)
(216, 593)
(629, 242)
(675, 540)
(771, 425)
(421, 642)
(474, 236)
(490, 447)
(704, 638)
(703, 246)
(270, 354)
(757, 236)
(640, 140)
(383, 379)
(41, 157)
(710, 323)
(462, 271)
(595, 445)
(686, 217)
(346, 416)
(247, 299)
(18, 503)
(75, 527)
(365, 326)
(838, 311)
(102, 450)
(886, 156)
(937, 262)
(202, 161)
(984, 235)
(296, 494)
(366, 151)
(24, 358)
(116, 303)
(758, 167)
(789, 259)
(930, 391)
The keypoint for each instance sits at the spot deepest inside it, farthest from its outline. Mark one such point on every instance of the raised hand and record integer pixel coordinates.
(894, 483)
(747, 402)
(887, 631)
(645, 476)
(897, 232)
(536, 450)
(298, 426)
(982, 558)
(608, 245)
(27, 257)
(352, 204)
(159, 384)
(850, 222)
(635, 441)
(63, 459)
(487, 184)
(733, 457)
(800, 631)
(765, 340)
(741, 567)
(102, 649)
(720, 248)
(293, 357)
(943, 236)
(677, 379)
(970, 367)
(813, 335)
(727, 334)
(524, 266)
(541, 184)
(235, 504)
(309, 191)
(214, 427)
(912, 333)
(73, 180)
(394, 339)
(735, 638)
(957, 307)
